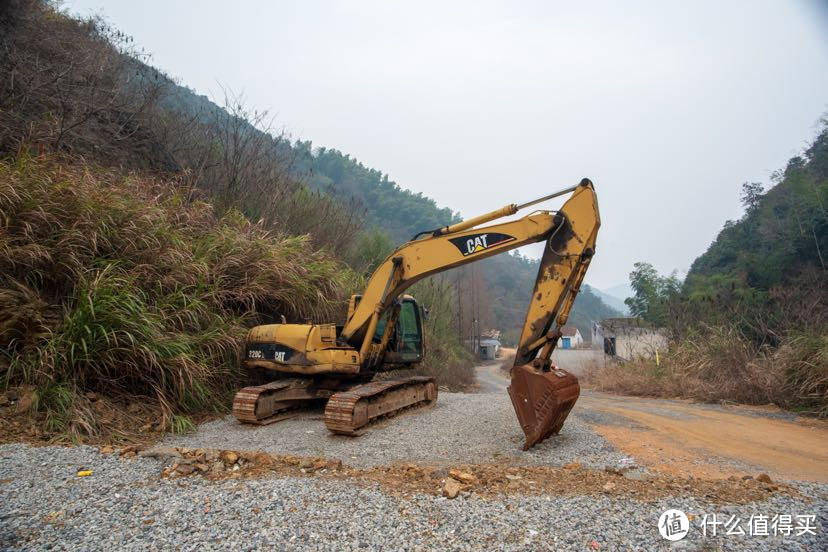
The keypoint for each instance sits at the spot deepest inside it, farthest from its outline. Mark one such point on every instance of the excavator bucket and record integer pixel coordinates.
(542, 400)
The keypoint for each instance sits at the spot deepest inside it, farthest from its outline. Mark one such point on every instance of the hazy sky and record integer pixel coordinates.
(668, 106)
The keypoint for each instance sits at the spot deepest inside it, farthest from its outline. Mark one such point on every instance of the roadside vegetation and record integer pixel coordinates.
(143, 229)
(117, 287)
(749, 324)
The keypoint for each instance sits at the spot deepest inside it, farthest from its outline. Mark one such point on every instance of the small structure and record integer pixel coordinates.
(628, 338)
(571, 337)
(488, 348)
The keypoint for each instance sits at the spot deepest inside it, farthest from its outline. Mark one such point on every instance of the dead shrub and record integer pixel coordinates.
(720, 365)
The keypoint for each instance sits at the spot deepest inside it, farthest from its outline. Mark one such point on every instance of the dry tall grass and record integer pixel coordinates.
(722, 366)
(120, 285)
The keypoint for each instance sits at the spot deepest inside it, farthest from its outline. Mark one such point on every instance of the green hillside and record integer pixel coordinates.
(398, 212)
(783, 230)
(749, 324)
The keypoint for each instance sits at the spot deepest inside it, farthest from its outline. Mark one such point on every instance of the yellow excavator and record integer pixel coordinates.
(384, 328)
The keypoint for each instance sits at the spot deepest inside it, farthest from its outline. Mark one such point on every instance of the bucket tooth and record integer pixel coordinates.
(542, 400)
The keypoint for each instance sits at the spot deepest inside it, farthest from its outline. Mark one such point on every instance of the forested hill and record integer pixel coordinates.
(107, 106)
(783, 230)
(395, 210)
(383, 204)
(399, 214)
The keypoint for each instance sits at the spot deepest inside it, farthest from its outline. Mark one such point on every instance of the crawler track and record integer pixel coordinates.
(348, 411)
(277, 400)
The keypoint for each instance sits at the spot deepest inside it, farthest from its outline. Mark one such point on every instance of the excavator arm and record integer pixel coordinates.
(541, 393)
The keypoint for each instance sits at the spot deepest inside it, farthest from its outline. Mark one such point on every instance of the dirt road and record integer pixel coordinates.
(682, 437)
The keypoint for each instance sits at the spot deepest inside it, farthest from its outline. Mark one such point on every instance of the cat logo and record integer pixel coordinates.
(475, 243)
(279, 356)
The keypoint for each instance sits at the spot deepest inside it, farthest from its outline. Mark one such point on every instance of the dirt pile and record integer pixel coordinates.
(485, 480)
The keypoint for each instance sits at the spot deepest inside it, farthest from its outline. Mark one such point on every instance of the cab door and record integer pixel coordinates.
(407, 344)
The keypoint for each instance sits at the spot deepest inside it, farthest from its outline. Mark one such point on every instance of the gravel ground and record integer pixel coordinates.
(125, 505)
(461, 428)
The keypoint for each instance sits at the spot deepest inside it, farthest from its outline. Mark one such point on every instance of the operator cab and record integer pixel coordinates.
(408, 339)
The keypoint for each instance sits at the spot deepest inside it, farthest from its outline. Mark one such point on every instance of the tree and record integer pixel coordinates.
(653, 292)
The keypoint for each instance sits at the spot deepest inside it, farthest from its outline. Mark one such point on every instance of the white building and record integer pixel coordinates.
(488, 349)
(628, 338)
(571, 337)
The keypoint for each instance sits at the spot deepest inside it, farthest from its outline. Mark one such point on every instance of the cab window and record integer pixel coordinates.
(409, 322)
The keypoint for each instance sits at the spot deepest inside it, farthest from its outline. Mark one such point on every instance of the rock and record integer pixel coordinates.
(335, 464)
(320, 464)
(463, 477)
(161, 453)
(764, 478)
(12, 395)
(511, 477)
(4, 400)
(107, 449)
(201, 467)
(128, 451)
(636, 475)
(306, 463)
(746, 477)
(211, 456)
(24, 402)
(185, 469)
(573, 466)
(217, 466)
(451, 488)
(608, 487)
(229, 457)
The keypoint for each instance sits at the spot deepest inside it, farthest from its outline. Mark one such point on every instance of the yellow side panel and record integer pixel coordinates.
(294, 336)
(329, 361)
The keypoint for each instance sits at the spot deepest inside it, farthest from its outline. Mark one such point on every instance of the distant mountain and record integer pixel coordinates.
(614, 296)
(589, 307)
